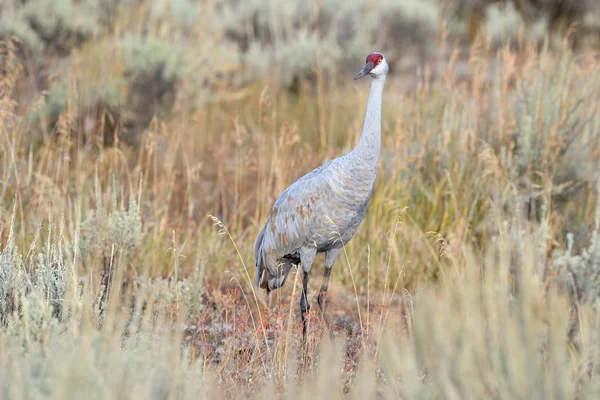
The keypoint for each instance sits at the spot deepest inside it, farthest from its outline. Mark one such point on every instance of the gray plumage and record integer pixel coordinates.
(322, 210)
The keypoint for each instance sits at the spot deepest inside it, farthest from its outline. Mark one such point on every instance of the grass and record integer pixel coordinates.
(127, 271)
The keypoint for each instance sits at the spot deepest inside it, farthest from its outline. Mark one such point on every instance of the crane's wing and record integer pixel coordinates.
(289, 227)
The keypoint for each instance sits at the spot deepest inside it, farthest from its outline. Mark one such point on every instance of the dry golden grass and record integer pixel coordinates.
(445, 292)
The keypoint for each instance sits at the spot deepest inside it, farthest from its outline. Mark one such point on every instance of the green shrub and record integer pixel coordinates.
(11, 274)
(49, 25)
(580, 273)
(294, 38)
(111, 228)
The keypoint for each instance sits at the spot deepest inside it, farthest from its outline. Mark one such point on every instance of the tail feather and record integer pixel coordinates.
(259, 258)
(270, 274)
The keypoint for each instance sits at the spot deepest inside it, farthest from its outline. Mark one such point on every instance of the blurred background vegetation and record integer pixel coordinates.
(202, 103)
(125, 124)
(138, 59)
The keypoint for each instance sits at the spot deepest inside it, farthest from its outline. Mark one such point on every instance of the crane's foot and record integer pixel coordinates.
(324, 306)
(323, 300)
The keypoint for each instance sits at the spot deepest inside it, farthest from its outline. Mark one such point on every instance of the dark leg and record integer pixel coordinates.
(324, 302)
(307, 256)
(304, 306)
(330, 258)
(268, 298)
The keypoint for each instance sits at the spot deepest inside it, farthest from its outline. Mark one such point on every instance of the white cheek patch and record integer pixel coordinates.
(379, 69)
(376, 70)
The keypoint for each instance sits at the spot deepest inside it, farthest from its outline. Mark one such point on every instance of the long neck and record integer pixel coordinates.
(369, 146)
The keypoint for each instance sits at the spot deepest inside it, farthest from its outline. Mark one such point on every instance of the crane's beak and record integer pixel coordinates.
(366, 69)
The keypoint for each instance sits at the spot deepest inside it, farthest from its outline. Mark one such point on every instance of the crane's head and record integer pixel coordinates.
(375, 66)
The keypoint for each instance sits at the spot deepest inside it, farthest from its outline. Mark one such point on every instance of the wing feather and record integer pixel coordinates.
(290, 224)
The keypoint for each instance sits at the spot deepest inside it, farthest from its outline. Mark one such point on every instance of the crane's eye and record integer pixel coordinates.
(379, 61)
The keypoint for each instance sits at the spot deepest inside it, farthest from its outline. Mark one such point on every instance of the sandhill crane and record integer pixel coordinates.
(321, 211)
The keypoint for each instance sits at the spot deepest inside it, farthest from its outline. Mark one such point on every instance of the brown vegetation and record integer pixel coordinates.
(460, 283)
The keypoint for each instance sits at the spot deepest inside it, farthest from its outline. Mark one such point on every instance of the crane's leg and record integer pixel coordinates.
(268, 299)
(304, 306)
(307, 256)
(330, 257)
